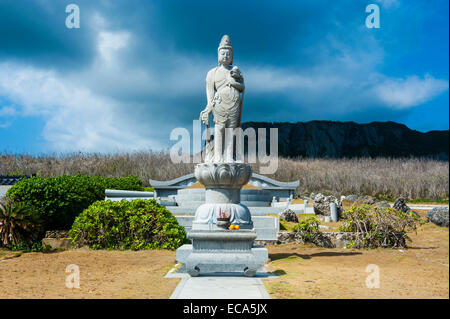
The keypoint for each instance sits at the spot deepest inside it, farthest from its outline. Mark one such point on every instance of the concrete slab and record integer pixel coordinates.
(4, 189)
(224, 286)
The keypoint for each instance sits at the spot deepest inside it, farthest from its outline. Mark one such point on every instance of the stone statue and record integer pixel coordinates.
(215, 247)
(222, 176)
(225, 93)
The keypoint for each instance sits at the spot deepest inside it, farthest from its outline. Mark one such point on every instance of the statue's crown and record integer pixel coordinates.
(225, 43)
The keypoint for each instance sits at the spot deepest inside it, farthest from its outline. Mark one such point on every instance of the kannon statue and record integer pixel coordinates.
(225, 93)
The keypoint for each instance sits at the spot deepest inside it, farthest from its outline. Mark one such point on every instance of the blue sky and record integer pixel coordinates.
(135, 70)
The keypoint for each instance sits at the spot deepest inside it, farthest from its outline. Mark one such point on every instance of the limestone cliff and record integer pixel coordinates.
(349, 139)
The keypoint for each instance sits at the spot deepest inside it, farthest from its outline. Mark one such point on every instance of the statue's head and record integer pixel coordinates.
(225, 51)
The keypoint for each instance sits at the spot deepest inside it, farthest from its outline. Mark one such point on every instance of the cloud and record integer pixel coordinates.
(76, 118)
(109, 42)
(5, 125)
(401, 93)
(8, 110)
(130, 74)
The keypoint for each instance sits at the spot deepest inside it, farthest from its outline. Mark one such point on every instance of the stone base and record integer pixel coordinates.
(222, 251)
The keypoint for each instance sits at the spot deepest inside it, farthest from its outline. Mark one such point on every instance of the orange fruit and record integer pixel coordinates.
(236, 227)
(231, 227)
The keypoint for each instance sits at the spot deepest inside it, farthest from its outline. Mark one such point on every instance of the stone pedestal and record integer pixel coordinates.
(223, 183)
(215, 249)
(222, 251)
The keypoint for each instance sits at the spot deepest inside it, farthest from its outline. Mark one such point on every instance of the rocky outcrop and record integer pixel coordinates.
(438, 216)
(400, 205)
(322, 204)
(289, 216)
(349, 139)
(382, 204)
(365, 199)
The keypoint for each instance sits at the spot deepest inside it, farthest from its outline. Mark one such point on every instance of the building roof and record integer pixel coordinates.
(12, 179)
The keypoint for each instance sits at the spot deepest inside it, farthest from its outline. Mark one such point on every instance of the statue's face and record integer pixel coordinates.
(225, 56)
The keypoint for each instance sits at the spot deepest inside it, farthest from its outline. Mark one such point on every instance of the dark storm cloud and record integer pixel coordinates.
(35, 32)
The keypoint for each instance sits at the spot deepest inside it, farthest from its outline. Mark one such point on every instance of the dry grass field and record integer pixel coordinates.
(415, 178)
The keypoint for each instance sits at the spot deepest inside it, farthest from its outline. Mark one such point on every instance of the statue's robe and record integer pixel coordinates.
(226, 100)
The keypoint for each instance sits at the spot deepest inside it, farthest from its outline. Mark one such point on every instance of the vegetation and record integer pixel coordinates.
(308, 231)
(384, 178)
(18, 224)
(138, 224)
(58, 200)
(379, 227)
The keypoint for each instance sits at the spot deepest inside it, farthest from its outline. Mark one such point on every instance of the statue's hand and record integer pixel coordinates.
(204, 115)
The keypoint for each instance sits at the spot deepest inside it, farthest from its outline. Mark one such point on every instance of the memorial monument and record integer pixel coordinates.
(215, 247)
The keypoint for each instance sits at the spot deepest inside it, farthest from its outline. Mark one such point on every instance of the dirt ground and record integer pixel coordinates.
(103, 274)
(421, 271)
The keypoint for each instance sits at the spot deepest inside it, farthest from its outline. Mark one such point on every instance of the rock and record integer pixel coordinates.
(369, 200)
(383, 204)
(438, 216)
(322, 205)
(328, 240)
(57, 234)
(285, 237)
(57, 243)
(289, 216)
(400, 205)
(366, 199)
(351, 198)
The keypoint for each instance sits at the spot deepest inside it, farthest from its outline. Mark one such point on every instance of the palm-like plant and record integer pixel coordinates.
(18, 223)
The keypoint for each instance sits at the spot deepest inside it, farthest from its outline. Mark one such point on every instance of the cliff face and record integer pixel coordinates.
(349, 139)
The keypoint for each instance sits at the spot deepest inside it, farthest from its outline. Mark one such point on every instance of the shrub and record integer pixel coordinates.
(138, 224)
(18, 224)
(308, 231)
(379, 227)
(29, 246)
(308, 228)
(58, 200)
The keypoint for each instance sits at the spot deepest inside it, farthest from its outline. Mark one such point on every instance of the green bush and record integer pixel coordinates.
(58, 200)
(379, 227)
(308, 231)
(139, 224)
(308, 228)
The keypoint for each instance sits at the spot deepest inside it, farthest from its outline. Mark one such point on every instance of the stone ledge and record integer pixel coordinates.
(57, 243)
